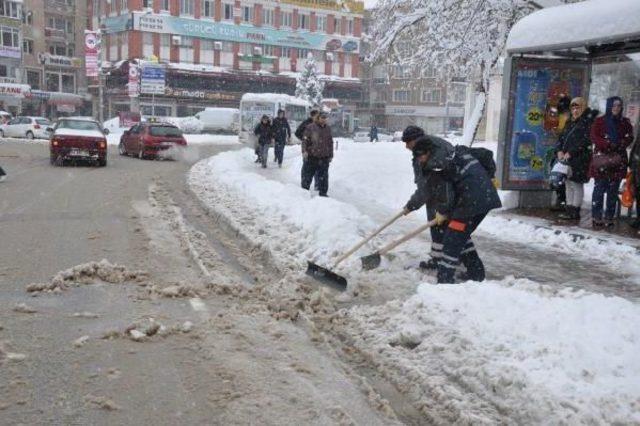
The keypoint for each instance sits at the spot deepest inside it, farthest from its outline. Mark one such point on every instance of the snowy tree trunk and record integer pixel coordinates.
(471, 126)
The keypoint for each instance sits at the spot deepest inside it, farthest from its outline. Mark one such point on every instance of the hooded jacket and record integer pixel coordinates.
(576, 140)
(454, 183)
(264, 132)
(281, 129)
(603, 139)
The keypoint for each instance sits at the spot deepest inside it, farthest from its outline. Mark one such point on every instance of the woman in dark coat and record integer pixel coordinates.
(574, 147)
(264, 132)
(611, 135)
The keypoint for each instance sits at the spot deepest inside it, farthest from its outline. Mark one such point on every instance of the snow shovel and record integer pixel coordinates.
(372, 261)
(328, 276)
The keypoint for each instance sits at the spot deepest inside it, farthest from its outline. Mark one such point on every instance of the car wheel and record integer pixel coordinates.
(29, 135)
(141, 152)
(121, 149)
(102, 162)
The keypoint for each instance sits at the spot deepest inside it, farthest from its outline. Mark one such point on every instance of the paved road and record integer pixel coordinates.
(239, 365)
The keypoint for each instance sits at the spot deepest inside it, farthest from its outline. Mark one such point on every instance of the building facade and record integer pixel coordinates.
(12, 92)
(214, 51)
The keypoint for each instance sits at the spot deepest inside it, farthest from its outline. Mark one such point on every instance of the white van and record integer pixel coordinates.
(254, 105)
(219, 120)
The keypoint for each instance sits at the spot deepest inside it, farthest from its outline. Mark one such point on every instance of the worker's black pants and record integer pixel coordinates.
(457, 247)
(318, 168)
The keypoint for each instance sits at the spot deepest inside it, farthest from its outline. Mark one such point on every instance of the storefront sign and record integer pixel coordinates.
(10, 52)
(91, 52)
(8, 80)
(534, 121)
(116, 24)
(134, 77)
(15, 90)
(152, 79)
(424, 111)
(201, 94)
(167, 24)
(58, 61)
(5, 21)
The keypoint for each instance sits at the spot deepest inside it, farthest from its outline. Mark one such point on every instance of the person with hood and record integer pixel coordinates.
(264, 132)
(281, 134)
(317, 152)
(313, 115)
(410, 137)
(574, 148)
(611, 135)
(462, 194)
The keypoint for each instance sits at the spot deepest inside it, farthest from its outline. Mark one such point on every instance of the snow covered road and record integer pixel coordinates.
(534, 344)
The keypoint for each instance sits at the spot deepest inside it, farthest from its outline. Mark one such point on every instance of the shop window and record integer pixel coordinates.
(68, 83)
(350, 26)
(3, 71)
(147, 4)
(164, 5)
(10, 37)
(124, 5)
(338, 22)
(52, 82)
(245, 49)
(268, 50)
(304, 22)
(285, 52)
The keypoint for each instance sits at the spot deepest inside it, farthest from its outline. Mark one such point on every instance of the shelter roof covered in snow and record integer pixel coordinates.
(274, 97)
(589, 23)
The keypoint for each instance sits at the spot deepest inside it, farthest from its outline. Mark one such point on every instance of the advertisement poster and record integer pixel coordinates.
(540, 96)
(91, 53)
(152, 79)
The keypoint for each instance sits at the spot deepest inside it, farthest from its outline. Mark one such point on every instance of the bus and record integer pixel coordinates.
(254, 105)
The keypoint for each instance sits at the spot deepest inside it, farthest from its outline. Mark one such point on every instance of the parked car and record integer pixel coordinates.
(26, 127)
(219, 120)
(151, 140)
(361, 136)
(78, 139)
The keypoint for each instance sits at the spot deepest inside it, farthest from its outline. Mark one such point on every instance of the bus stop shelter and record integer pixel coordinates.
(589, 49)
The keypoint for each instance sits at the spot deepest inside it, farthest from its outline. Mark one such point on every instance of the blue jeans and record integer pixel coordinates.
(602, 187)
(264, 154)
(279, 151)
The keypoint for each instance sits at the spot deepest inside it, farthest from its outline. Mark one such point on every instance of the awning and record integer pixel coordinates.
(57, 98)
(589, 23)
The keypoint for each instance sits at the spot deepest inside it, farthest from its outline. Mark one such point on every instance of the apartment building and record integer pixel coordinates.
(216, 50)
(12, 92)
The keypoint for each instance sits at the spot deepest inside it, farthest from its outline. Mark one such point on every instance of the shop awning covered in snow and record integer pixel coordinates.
(589, 23)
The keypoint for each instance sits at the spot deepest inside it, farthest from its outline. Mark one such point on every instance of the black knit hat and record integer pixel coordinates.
(423, 146)
(412, 133)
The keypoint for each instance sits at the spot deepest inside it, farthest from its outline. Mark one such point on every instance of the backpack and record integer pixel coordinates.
(484, 157)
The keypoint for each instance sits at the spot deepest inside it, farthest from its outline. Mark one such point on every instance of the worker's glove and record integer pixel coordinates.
(495, 182)
(440, 219)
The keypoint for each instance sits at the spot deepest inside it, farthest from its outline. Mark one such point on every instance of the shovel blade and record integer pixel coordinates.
(326, 276)
(371, 261)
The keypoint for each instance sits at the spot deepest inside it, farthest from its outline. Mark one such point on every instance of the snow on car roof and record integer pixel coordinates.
(274, 97)
(575, 25)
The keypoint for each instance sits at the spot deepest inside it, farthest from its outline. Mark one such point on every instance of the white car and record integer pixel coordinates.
(361, 137)
(26, 127)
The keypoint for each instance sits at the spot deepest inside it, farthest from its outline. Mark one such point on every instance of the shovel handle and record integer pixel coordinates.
(386, 249)
(366, 240)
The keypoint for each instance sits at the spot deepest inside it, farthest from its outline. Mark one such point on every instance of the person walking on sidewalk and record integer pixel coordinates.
(317, 152)
(463, 195)
(281, 134)
(264, 132)
(313, 116)
(410, 136)
(574, 148)
(611, 134)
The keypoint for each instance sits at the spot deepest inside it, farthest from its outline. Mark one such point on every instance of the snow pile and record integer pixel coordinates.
(509, 349)
(188, 125)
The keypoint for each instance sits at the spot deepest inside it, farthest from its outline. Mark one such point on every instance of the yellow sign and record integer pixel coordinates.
(536, 163)
(535, 116)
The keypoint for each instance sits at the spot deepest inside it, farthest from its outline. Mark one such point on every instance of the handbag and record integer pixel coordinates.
(607, 161)
(627, 195)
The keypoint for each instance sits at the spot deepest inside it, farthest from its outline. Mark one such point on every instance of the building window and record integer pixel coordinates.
(164, 5)
(10, 37)
(245, 49)
(227, 12)
(29, 17)
(165, 40)
(10, 9)
(60, 24)
(124, 5)
(350, 26)
(52, 82)
(68, 83)
(268, 17)
(33, 79)
(402, 96)
(287, 19)
(321, 23)
(208, 9)
(304, 22)
(186, 7)
(338, 22)
(27, 46)
(285, 52)
(268, 50)
(247, 14)
(399, 71)
(429, 72)
(431, 96)
(3, 71)
(147, 4)
(458, 93)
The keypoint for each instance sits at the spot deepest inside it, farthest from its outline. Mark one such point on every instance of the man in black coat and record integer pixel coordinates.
(264, 132)
(281, 134)
(317, 151)
(462, 193)
(313, 116)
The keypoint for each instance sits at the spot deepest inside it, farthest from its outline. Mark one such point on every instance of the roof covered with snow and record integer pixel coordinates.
(575, 25)
(274, 97)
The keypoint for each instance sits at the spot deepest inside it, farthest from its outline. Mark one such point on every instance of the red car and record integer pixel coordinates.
(78, 139)
(151, 140)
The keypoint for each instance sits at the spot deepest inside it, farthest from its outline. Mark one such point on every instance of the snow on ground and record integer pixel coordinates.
(504, 349)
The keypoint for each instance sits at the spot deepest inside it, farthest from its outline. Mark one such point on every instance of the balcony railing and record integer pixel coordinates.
(55, 33)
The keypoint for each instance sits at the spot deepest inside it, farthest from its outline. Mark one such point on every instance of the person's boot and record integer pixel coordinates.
(597, 224)
(570, 213)
(558, 207)
(430, 264)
